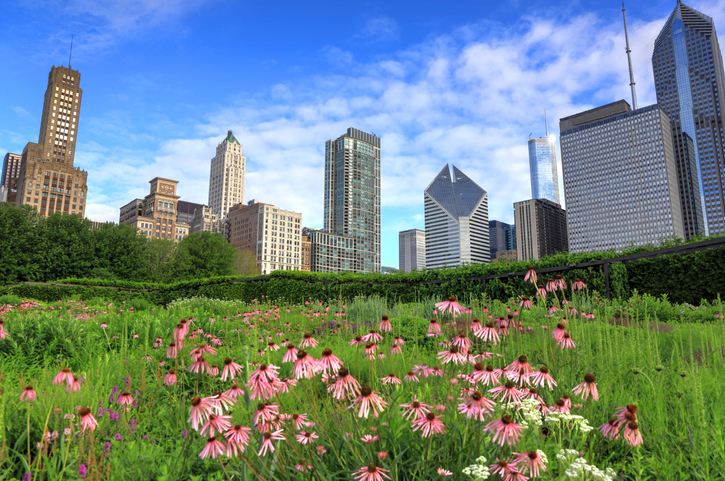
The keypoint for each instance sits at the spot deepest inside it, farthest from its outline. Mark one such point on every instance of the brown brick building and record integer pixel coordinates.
(306, 253)
(47, 179)
(9, 177)
(155, 214)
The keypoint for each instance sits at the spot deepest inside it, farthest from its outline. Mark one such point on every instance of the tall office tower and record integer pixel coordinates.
(620, 179)
(690, 85)
(456, 221)
(10, 172)
(510, 237)
(411, 246)
(497, 236)
(226, 176)
(542, 164)
(542, 230)
(155, 215)
(352, 194)
(48, 180)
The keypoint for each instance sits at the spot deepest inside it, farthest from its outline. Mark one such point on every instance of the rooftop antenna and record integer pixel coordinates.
(530, 135)
(546, 121)
(629, 59)
(71, 50)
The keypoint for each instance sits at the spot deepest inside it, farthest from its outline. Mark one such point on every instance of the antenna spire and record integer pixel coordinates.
(546, 121)
(629, 59)
(70, 55)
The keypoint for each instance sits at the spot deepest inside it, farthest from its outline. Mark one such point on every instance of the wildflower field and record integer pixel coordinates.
(568, 386)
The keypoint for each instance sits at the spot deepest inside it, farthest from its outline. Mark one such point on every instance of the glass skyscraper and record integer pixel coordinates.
(542, 163)
(689, 81)
(352, 195)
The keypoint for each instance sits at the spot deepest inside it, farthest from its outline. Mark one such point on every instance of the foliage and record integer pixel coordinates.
(203, 254)
(245, 263)
(160, 255)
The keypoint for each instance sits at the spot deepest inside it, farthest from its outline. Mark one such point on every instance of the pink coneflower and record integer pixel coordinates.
(344, 385)
(566, 342)
(452, 355)
(306, 437)
(560, 406)
(451, 305)
(372, 336)
(370, 349)
(396, 349)
(560, 282)
(558, 332)
(488, 334)
(305, 365)
(578, 285)
(28, 394)
(505, 430)
(369, 438)
(398, 341)
(436, 371)
(587, 387)
(172, 351)
(477, 406)
(266, 412)
(199, 412)
(552, 310)
(530, 275)
(525, 302)
(391, 379)
(200, 366)
(213, 370)
(204, 348)
(443, 472)
(299, 420)
(541, 292)
(212, 449)
(434, 327)
(215, 423)
(87, 419)
(476, 325)
(508, 392)
(234, 392)
(64, 375)
(610, 429)
(551, 285)
(291, 354)
(416, 409)
(267, 445)
(328, 361)
(530, 462)
(308, 340)
(626, 414)
(520, 366)
(237, 439)
(125, 399)
(265, 372)
(230, 370)
(542, 377)
(170, 378)
(368, 400)
(411, 377)
(462, 342)
(532, 393)
(429, 424)
(357, 341)
(73, 386)
(370, 473)
(385, 325)
(632, 434)
(271, 346)
(486, 375)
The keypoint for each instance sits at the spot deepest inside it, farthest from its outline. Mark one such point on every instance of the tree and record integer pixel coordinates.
(121, 251)
(160, 257)
(245, 263)
(65, 246)
(18, 243)
(203, 255)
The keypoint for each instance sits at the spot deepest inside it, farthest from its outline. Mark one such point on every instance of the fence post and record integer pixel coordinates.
(606, 279)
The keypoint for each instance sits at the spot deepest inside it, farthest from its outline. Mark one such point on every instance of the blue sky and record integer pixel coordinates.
(459, 82)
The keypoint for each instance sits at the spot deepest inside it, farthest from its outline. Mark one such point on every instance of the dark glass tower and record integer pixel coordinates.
(689, 80)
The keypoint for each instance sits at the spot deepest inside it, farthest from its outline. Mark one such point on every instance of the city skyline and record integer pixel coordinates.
(283, 122)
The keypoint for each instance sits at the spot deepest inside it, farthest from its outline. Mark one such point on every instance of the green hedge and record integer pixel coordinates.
(683, 277)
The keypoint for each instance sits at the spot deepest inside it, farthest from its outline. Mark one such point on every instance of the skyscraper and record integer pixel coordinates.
(456, 221)
(690, 85)
(226, 176)
(10, 172)
(620, 180)
(542, 229)
(352, 195)
(411, 250)
(497, 236)
(542, 164)
(48, 180)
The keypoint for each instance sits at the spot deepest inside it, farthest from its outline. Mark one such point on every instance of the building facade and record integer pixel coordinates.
(497, 236)
(185, 211)
(47, 179)
(411, 249)
(510, 237)
(620, 178)
(690, 86)
(155, 215)
(272, 234)
(306, 253)
(456, 221)
(352, 195)
(205, 220)
(226, 176)
(332, 253)
(542, 165)
(10, 172)
(506, 256)
(541, 227)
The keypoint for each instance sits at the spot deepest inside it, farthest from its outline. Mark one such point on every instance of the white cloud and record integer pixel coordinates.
(379, 29)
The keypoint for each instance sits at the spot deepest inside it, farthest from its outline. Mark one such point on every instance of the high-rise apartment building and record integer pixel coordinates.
(498, 238)
(620, 178)
(411, 248)
(541, 227)
(226, 176)
(11, 170)
(331, 252)
(47, 179)
(510, 237)
(456, 221)
(272, 234)
(155, 215)
(352, 195)
(690, 85)
(205, 220)
(542, 165)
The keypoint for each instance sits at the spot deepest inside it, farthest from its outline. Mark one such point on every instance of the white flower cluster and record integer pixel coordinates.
(478, 471)
(529, 411)
(579, 469)
(570, 419)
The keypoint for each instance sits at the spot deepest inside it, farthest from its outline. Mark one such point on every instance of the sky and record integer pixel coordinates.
(463, 83)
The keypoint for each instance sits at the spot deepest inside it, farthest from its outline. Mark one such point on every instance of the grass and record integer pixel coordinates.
(667, 360)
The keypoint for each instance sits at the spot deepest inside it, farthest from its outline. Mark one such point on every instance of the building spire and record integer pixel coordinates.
(629, 59)
(546, 121)
(70, 55)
